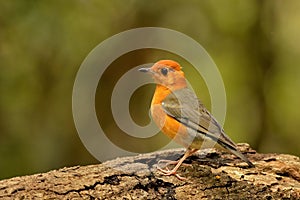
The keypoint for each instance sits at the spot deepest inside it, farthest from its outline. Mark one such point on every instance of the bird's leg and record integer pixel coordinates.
(168, 162)
(178, 163)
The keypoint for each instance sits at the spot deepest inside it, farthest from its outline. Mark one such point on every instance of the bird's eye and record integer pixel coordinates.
(164, 71)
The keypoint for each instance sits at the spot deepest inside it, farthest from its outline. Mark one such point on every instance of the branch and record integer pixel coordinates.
(211, 174)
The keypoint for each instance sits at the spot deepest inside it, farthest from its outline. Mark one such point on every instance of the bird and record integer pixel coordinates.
(180, 115)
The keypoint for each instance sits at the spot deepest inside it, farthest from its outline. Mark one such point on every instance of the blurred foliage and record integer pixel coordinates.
(255, 44)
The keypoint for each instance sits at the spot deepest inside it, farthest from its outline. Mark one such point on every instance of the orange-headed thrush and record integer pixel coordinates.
(181, 115)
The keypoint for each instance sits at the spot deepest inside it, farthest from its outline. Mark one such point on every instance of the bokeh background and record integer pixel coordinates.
(255, 44)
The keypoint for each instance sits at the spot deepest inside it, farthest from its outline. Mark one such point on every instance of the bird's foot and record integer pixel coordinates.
(169, 162)
(167, 171)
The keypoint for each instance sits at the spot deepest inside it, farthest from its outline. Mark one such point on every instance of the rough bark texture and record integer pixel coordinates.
(211, 174)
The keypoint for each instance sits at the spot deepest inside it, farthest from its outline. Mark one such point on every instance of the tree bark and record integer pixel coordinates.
(210, 174)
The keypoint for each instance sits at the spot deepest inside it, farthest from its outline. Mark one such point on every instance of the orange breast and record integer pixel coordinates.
(171, 127)
(168, 125)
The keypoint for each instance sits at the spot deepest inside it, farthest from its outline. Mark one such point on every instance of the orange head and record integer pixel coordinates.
(167, 73)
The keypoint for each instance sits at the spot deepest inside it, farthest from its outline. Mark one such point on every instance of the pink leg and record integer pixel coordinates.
(178, 163)
(168, 162)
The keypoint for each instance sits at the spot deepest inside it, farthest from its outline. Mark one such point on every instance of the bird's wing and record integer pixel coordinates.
(184, 106)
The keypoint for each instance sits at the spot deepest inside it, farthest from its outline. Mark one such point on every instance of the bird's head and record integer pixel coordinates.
(167, 73)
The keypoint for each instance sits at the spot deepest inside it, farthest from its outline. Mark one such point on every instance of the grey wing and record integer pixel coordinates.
(184, 106)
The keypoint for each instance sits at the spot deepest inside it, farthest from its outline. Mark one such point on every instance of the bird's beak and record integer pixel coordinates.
(146, 70)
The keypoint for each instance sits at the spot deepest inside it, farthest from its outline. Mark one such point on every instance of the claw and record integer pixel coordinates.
(167, 171)
(170, 162)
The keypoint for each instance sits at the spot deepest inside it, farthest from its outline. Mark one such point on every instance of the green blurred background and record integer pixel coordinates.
(254, 43)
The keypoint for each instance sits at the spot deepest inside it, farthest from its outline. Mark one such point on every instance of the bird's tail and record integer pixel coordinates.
(242, 156)
(235, 151)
